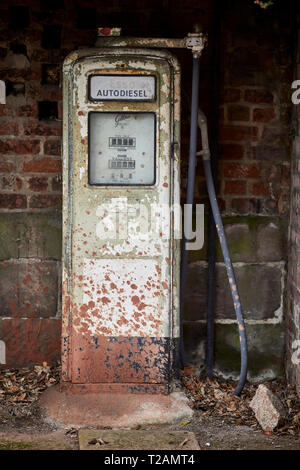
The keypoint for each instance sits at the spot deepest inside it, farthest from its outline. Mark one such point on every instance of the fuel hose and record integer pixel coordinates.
(205, 152)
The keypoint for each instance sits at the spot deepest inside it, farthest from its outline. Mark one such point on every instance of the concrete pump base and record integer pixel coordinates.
(112, 409)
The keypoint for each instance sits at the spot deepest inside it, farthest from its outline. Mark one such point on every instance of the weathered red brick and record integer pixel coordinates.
(6, 110)
(245, 57)
(35, 128)
(52, 147)
(6, 165)
(275, 135)
(238, 170)
(235, 187)
(50, 74)
(263, 114)
(42, 165)
(45, 201)
(231, 95)
(260, 189)
(231, 151)
(258, 96)
(13, 201)
(12, 182)
(245, 205)
(38, 183)
(57, 183)
(20, 146)
(238, 133)
(9, 128)
(27, 111)
(238, 112)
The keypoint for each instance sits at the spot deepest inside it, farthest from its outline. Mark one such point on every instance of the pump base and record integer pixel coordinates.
(162, 389)
(112, 409)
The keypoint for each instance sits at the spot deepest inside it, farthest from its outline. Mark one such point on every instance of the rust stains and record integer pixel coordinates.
(121, 359)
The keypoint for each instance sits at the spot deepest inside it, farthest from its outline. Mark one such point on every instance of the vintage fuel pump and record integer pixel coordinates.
(121, 214)
(121, 259)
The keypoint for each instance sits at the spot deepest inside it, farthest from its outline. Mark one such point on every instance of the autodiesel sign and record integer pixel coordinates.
(122, 87)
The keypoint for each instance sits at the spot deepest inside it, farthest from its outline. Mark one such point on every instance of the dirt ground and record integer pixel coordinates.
(220, 421)
(212, 433)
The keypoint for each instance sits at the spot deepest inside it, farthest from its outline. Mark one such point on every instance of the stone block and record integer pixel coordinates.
(270, 244)
(240, 242)
(28, 289)
(265, 349)
(259, 287)
(31, 341)
(268, 409)
(30, 236)
(249, 239)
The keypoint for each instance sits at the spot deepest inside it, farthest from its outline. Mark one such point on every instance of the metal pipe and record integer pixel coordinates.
(190, 192)
(126, 41)
(194, 41)
(228, 264)
(212, 233)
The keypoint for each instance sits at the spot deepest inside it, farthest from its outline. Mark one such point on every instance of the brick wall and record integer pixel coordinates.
(253, 177)
(293, 311)
(253, 188)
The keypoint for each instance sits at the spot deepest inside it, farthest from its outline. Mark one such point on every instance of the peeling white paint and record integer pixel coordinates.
(143, 257)
(122, 290)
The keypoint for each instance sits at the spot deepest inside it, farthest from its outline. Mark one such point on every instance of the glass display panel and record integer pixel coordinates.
(121, 148)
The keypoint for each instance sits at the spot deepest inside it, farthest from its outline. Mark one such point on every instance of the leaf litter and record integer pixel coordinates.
(215, 398)
(21, 388)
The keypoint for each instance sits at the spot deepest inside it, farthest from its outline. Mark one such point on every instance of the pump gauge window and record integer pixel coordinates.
(121, 148)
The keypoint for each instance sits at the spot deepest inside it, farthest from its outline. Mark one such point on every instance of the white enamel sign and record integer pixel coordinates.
(122, 87)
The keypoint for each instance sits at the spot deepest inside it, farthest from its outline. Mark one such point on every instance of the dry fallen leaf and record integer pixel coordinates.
(184, 423)
(183, 442)
(214, 398)
(21, 397)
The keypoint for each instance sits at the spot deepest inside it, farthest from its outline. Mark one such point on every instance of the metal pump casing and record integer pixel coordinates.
(120, 296)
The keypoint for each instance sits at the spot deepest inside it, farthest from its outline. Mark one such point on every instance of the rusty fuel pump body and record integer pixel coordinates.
(123, 273)
(120, 290)
(121, 309)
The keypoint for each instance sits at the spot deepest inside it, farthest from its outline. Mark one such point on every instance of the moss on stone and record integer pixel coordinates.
(24, 235)
(242, 247)
(265, 349)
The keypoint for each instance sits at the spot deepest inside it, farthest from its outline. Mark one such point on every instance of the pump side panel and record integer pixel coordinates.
(120, 292)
